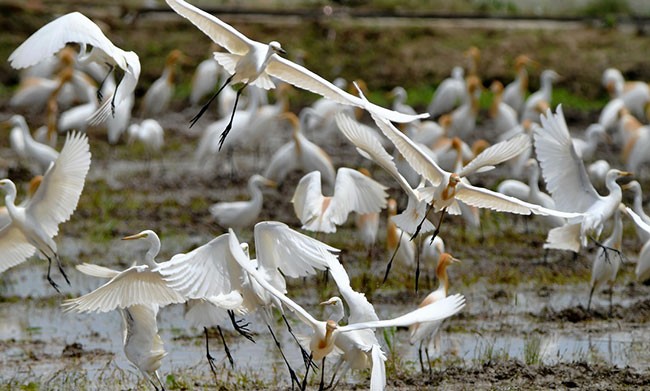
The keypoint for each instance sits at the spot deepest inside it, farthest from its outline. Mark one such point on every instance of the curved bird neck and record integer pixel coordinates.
(152, 252)
(441, 273)
(10, 197)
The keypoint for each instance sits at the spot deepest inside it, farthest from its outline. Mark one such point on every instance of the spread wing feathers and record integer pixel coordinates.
(303, 78)
(371, 148)
(485, 198)
(409, 220)
(247, 265)
(59, 192)
(564, 172)
(441, 309)
(308, 198)
(413, 154)
(204, 272)
(355, 192)
(135, 285)
(360, 309)
(49, 39)
(281, 249)
(638, 220)
(90, 269)
(378, 374)
(496, 154)
(220, 32)
(14, 247)
(564, 237)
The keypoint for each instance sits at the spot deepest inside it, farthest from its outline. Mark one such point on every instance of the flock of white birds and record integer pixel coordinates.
(432, 164)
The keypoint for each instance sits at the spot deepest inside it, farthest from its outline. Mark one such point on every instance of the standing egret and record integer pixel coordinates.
(425, 332)
(514, 94)
(42, 154)
(77, 28)
(242, 214)
(149, 133)
(637, 207)
(156, 99)
(353, 192)
(642, 270)
(449, 94)
(34, 225)
(252, 62)
(206, 76)
(530, 110)
(568, 182)
(503, 116)
(324, 335)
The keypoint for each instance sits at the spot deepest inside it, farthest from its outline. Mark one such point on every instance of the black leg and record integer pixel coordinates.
(292, 373)
(591, 293)
(111, 67)
(420, 357)
(242, 328)
(426, 351)
(321, 387)
(611, 293)
(390, 262)
(304, 380)
(205, 106)
(60, 267)
(114, 95)
(417, 266)
(225, 346)
(306, 357)
(225, 132)
(437, 231)
(419, 227)
(49, 278)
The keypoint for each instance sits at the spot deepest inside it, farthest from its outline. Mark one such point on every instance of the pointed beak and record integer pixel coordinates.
(455, 260)
(328, 302)
(626, 173)
(133, 237)
(281, 51)
(270, 183)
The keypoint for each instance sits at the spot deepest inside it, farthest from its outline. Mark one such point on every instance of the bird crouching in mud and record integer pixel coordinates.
(252, 62)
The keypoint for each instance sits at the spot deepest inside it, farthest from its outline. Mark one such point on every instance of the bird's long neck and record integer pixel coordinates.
(522, 75)
(154, 249)
(10, 199)
(638, 201)
(441, 273)
(25, 129)
(255, 191)
(547, 88)
(617, 233)
(614, 188)
(533, 179)
(496, 101)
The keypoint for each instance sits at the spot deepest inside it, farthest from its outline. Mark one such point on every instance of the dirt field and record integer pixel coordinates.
(525, 325)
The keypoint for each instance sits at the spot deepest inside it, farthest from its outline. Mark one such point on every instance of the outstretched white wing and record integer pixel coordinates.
(49, 39)
(497, 153)
(360, 308)
(90, 269)
(355, 192)
(638, 220)
(308, 198)
(59, 192)
(441, 309)
(14, 247)
(281, 249)
(207, 271)
(136, 285)
(221, 33)
(564, 172)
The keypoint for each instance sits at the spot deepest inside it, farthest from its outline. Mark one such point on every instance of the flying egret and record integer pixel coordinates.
(252, 62)
(325, 333)
(450, 187)
(424, 333)
(605, 267)
(281, 251)
(242, 214)
(34, 225)
(77, 28)
(568, 182)
(353, 192)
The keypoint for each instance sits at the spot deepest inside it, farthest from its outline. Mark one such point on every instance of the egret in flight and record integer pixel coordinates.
(77, 28)
(34, 225)
(252, 62)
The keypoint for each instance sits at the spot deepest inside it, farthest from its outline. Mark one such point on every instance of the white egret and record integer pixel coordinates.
(325, 333)
(637, 207)
(605, 266)
(586, 148)
(77, 28)
(424, 333)
(514, 94)
(34, 183)
(34, 225)
(568, 182)
(544, 94)
(503, 115)
(642, 270)
(42, 154)
(449, 94)
(300, 153)
(367, 224)
(450, 187)
(353, 192)
(252, 62)
(242, 214)
(149, 133)
(206, 76)
(463, 119)
(157, 98)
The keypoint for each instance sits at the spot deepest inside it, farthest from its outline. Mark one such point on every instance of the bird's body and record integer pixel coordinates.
(514, 94)
(568, 182)
(34, 225)
(77, 28)
(149, 133)
(157, 98)
(642, 270)
(254, 63)
(449, 94)
(43, 155)
(204, 79)
(242, 214)
(637, 207)
(531, 106)
(353, 192)
(503, 115)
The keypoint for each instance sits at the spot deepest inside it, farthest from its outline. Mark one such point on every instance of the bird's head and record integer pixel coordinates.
(446, 259)
(142, 235)
(263, 181)
(7, 186)
(523, 60)
(496, 87)
(454, 179)
(332, 301)
(331, 326)
(392, 207)
(276, 47)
